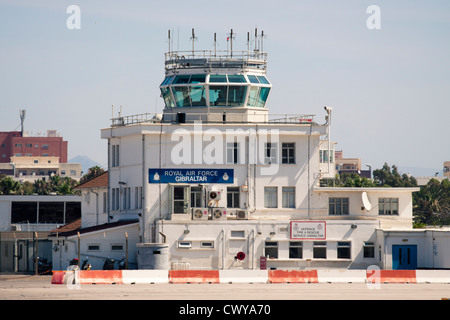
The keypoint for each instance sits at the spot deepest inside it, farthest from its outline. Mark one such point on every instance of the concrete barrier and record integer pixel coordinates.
(433, 276)
(391, 276)
(58, 277)
(341, 276)
(145, 276)
(99, 276)
(194, 276)
(251, 276)
(293, 276)
(243, 276)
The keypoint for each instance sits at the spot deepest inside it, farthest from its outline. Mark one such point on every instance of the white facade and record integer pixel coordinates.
(223, 186)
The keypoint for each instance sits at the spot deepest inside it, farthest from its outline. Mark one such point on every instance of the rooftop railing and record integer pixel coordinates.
(215, 59)
(213, 117)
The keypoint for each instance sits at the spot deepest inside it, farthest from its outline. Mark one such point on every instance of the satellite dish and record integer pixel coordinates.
(366, 202)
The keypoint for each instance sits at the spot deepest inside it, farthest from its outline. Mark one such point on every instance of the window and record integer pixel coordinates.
(270, 197)
(115, 154)
(73, 211)
(126, 198)
(296, 250)
(217, 95)
(51, 212)
(288, 197)
(263, 94)
(320, 250)
(23, 212)
(388, 206)
(93, 247)
(344, 250)
(29, 145)
(323, 154)
(18, 145)
(44, 146)
(271, 249)
(338, 206)
(180, 199)
(238, 234)
(207, 244)
(233, 152)
(233, 197)
(236, 95)
(369, 250)
(115, 199)
(184, 244)
(116, 247)
(196, 197)
(105, 202)
(270, 153)
(288, 153)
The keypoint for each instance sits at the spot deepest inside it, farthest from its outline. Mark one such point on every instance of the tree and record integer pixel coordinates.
(431, 205)
(92, 173)
(9, 186)
(384, 177)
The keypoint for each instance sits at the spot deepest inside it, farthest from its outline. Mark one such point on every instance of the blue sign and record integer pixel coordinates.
(190, 176)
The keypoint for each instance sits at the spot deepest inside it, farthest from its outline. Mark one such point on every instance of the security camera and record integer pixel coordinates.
(328, 109)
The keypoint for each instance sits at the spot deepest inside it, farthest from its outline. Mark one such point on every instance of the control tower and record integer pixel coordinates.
(215, 86)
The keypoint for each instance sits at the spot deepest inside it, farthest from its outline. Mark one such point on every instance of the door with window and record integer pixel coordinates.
(404, 257)
(181, 199)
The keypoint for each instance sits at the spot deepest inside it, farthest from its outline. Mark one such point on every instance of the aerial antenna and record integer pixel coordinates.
(215, 44)
(248, 41)
(169, 39)
(231, 37)
(262, 37)
(193, 38)
(22, 119)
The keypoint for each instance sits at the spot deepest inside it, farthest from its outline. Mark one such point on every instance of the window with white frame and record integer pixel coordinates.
(115, 199)
(233, 197)
(338, 206)
(233, 152)
(271, 249)
(388, 206)
(270, 153)
(295, 250)
(288, 197)
(126, 196)
(115, 155)
(369, 250)
(138, 197)
(344, 249)
(288, 153)
(320, 250)
(270, 197)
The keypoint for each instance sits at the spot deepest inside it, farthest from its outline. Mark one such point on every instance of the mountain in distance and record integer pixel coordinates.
(86, 163)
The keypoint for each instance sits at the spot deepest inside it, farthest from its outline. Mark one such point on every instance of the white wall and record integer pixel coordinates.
(67, 248)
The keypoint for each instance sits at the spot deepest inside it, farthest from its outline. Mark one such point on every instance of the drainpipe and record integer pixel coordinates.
(96, 206)
(223, 249)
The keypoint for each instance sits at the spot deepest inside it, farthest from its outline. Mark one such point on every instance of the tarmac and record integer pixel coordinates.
(32, 287)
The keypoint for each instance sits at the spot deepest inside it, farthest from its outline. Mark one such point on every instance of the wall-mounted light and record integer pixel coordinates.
(354, 226)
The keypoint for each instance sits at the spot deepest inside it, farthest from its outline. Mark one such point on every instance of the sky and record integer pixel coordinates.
(389, 87)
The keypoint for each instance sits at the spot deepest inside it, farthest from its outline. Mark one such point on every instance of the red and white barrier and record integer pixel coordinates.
(250, 276)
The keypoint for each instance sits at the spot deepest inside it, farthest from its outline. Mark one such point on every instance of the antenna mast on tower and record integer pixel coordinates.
(22, 119)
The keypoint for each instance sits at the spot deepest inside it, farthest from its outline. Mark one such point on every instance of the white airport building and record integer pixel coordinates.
(218, 182)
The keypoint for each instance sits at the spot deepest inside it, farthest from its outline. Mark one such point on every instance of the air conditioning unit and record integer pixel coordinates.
(200, 214)
(241, 215)
(16, 227)
(214, 195)
(219, 213)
